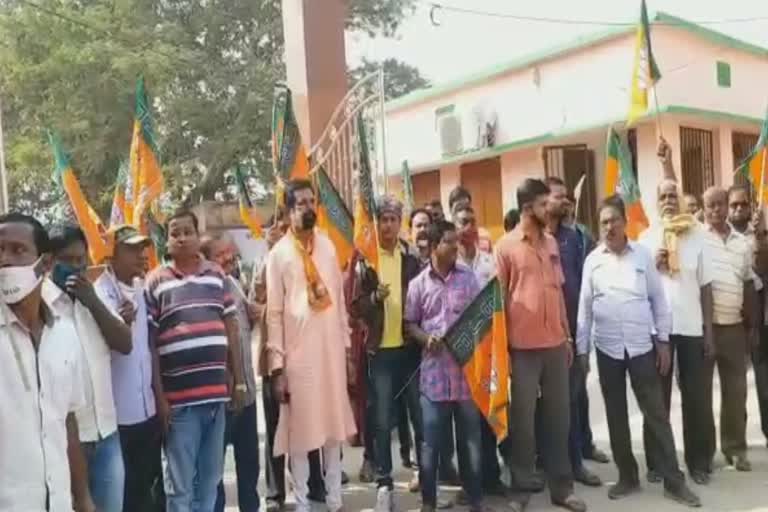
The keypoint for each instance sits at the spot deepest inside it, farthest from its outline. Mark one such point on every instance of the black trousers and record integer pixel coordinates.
(692, 375)
(141, 445)
(275, 466)
(760, 367)
(646, 385)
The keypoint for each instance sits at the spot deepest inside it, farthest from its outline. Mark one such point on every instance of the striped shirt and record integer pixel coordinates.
(732, 265)
(186, 316)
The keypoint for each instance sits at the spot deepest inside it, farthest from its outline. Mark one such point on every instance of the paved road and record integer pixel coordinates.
(729, 491)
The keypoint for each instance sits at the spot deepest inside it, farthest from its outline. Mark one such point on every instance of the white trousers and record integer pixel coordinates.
(331, 459)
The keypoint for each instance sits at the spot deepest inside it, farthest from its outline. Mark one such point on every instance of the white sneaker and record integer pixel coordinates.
(385, 500)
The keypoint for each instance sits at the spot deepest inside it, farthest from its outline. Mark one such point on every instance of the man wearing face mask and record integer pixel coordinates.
(41, 459)
(120, 287)
(100, 332)
(307, 327)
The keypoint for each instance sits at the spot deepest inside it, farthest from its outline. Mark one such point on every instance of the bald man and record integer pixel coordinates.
(678, 243)
(734, 313)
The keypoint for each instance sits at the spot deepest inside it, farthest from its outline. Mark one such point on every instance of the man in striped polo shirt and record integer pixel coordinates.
(193, 333)
(735, 311)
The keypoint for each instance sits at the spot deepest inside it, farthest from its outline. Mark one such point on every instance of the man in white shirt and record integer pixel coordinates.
(734, 314)
(120, 288)
(40, 382)
(100, 331)
(679, 245)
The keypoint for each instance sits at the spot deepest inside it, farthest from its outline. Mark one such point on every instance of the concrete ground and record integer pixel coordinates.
(729, 490)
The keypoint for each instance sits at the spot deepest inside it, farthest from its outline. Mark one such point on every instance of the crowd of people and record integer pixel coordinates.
(125, 386)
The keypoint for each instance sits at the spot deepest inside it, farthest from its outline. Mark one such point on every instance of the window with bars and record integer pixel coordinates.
(696, 154)
(742, 144)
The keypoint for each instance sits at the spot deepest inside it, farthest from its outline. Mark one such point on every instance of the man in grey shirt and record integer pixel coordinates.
(241, 428)
(622, 309)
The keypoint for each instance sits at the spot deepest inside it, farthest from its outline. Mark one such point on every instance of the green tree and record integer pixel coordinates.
(210, 66)
(399, 78)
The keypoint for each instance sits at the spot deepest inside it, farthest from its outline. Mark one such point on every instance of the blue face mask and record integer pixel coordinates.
(62, 271)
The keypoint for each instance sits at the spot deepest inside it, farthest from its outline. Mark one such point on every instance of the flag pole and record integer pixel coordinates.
(3, 176)
(762, 177)
(658, 111)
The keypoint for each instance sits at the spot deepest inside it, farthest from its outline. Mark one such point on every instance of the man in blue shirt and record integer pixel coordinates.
(623, 310)
(572, 255)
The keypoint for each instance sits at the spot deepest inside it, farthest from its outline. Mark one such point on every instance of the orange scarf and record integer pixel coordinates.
(317, 293)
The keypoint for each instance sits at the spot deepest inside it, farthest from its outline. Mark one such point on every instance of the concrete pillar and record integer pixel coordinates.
(315, 59)
(450, 178)
(724, 165)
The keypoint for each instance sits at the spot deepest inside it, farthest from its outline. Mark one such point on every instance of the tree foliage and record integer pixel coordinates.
(401, 78)
(210, 66)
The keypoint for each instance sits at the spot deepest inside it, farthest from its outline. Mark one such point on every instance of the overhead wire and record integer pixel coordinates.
(435, 6)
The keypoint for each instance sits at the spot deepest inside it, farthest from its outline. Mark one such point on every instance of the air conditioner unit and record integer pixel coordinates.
(449, 127)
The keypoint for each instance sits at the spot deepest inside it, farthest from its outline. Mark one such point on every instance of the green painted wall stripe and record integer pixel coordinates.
(660, 18)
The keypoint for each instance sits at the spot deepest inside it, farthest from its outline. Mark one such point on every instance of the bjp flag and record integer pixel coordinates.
(366, 238)
(146, 175)
(478, 342)
(87, 218)
(333, 217)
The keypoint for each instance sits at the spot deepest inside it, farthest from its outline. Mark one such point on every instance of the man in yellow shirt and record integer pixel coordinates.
(378, 301)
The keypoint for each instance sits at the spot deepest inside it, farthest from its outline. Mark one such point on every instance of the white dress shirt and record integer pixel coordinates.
(483, 265)
(131, 373)
(97, 420)
(622, 303)
(37, 391)
(683, 288)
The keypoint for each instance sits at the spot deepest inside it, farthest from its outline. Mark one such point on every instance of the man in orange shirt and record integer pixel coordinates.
(541, 347)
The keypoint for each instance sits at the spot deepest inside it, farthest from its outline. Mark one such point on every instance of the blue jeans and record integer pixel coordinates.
(388, 376)
(194, 458)
(436, 417)
(106, 473)
(242, 431)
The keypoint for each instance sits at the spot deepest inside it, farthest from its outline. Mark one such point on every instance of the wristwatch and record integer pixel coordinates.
(241, 387)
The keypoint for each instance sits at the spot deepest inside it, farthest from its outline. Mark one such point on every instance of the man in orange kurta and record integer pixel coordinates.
(308, 336)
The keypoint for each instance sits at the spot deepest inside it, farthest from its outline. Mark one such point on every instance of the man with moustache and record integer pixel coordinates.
(623, 311)
(541, 348)
(308, 328)
(678, 243)
(734, 318)
(751, 225)
(41, 461)
(572, 256)
(379, 302)
(419, 223)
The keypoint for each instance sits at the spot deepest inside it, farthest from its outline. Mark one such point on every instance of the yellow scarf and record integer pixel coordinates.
(317, 293)
(674, 227)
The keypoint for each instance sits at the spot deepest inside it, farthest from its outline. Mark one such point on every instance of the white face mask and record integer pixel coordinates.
(18, 282)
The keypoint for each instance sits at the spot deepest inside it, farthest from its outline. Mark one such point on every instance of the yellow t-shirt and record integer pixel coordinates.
(390, 272)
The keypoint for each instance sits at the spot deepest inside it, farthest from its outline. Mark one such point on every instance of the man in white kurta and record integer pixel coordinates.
(306, 349)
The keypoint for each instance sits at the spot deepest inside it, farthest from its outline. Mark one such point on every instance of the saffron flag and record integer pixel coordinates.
(146, 174)
(118, 216)
(754, 166)
(333, 217)
(620, 179)
(87, 218)
(366, 238)
(645, 72)
(478, 342)
(247, 213)
(408, 207)
(289, 156)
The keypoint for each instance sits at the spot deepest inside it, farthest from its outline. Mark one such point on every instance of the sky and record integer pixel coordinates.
(466, 43)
